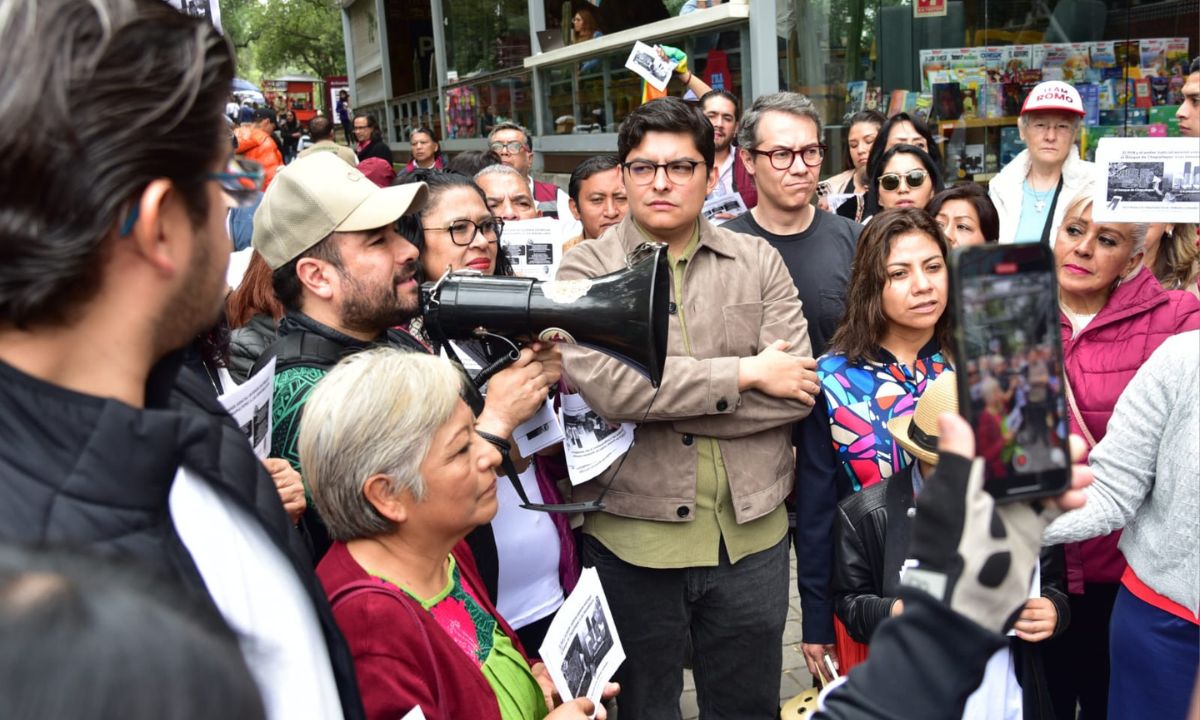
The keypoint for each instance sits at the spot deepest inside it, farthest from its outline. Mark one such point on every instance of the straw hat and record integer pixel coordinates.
(918, 432)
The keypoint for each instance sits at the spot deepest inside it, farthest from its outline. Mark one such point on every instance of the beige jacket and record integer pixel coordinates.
(738, 299)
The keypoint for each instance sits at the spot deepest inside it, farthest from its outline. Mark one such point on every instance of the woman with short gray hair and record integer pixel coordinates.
(401, 477)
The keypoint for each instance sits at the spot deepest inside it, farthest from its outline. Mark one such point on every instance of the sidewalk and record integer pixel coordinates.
(796, 677)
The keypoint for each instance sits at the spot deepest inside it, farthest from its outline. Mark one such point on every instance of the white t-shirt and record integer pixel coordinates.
(999, 696)
(527, 550)
(257, 591)
(725, 178)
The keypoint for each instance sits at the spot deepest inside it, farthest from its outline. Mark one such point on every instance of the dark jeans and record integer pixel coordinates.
(1076, 662)
(734, 615)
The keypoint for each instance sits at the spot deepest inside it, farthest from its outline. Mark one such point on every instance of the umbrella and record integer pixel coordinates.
(244, 86)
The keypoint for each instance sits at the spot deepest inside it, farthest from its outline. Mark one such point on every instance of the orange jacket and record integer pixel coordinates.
(258, 146)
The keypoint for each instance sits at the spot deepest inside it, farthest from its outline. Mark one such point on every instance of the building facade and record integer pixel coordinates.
(461, 66)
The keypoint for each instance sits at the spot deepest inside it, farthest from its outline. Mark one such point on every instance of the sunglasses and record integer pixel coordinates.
(241, 181)
(912, 178)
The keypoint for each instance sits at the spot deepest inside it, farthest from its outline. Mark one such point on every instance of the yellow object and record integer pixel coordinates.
(801, 706)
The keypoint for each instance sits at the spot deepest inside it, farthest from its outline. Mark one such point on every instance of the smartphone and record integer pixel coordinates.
(1008, 356)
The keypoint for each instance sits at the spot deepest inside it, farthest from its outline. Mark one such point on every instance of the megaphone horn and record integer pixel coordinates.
(622, 314)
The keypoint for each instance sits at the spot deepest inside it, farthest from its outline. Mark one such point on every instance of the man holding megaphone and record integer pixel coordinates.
(692, 541)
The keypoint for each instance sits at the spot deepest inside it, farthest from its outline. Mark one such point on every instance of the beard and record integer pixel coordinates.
(196, 306)
(372, 310)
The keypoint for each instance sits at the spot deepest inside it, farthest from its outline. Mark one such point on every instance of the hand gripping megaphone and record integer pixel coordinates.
(622, 314)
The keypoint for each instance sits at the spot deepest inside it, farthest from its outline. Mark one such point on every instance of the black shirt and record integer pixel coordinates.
(819, 261)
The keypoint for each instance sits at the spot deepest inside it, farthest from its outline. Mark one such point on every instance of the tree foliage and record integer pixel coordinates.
(279, 35)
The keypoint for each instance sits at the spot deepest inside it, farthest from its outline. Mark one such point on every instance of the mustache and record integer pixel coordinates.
(406, 273)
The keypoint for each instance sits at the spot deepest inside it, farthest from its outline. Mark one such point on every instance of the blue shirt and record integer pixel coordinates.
(1033, 221)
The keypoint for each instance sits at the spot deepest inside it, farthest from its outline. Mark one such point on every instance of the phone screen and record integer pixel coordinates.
(1009, 355)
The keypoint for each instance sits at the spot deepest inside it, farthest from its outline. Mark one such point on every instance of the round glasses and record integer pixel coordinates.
(912, 178)
(783, 158)
(512, 148)
(462, 232)
(643, 172)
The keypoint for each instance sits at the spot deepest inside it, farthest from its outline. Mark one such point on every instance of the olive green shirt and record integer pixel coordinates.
(694, 543)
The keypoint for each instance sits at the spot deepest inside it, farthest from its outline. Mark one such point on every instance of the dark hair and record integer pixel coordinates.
(669, 115)
(372, 123)
(90, 637)
(254, 295)
(871, 199)
(469, 163)
(286, 283)
(588, 168)
(737, 104)
(989, 219)
(437, 183)
(1195, 66)
(863, 116)
(320, 128)
(437, 154)
(124, 92)
(863, 325)
(885, 130)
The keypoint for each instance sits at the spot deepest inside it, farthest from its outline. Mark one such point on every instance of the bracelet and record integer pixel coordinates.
(689, 77)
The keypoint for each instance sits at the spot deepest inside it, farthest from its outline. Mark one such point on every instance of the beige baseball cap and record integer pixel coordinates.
(319, 194)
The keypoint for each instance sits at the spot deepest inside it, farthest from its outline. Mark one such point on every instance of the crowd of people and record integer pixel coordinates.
(380, 562)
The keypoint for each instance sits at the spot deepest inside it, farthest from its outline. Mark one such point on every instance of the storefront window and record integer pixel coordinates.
(473, 110)
(414, 112)
(595, 95)
(484, 36)
(967, 66)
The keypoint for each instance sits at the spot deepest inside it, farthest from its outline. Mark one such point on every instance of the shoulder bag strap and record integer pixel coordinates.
(364, 587)
(1087, 435)
(1050, 216)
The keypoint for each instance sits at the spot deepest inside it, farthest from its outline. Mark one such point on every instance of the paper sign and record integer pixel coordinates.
(535, 246)
(582, 650)
(415, 714)
(538, 432)
(1147, 180)
(591, 443)
(645, 62)
(929, 8)
(723, 205)
(250, 406)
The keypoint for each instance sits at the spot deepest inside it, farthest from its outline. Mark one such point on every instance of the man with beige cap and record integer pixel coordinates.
(871, 546)
(344, 275)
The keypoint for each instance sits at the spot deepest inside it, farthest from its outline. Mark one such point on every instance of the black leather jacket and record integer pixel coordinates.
(871, 537)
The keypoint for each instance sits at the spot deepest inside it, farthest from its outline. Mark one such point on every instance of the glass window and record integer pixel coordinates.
(484, 36)
(473, 110)
(597, 94)
(967, 67)
(414, 112)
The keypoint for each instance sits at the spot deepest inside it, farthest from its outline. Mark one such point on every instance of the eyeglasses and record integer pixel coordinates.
(241, 181)
(783, 158)
(643, 172)
(462, 232)
(1043, 126)
(511, 148)
(362, 127)
(912, 178)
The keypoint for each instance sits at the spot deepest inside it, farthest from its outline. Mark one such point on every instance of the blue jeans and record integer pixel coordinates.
(1154, 660)
(734, 615)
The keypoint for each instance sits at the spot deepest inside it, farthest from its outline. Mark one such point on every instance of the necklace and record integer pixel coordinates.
(1039, 199)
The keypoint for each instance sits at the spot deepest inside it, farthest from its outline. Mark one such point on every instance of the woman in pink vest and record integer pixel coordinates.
(1114, 314)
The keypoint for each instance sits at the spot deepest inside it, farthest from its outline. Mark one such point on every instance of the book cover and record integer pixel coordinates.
(1137, 116)
(856, 95)
(933, 61)
(1164, 115)
(1090, 95)
(993, 60)
(923, 106)
(1020, 58)
(1141, 93)
(972, 160)
(1051, 58)
(1127, 53)
(1160, 90)
(873, 99)
(1014, 96)
(970, 102)
(947, 101)
(1010, 144)
(1077, 63)
(1153, 59)
(992, 104)
(896, 105)
(1103, 55)
(1108, 94)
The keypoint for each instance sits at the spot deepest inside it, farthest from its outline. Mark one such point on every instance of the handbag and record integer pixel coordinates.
(1087, 435)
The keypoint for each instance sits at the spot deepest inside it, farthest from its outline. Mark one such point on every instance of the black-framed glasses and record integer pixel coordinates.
(241, 181)
(912, 178)
(462, 232)
(784, 158)
(643, 172)
(512, 148)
